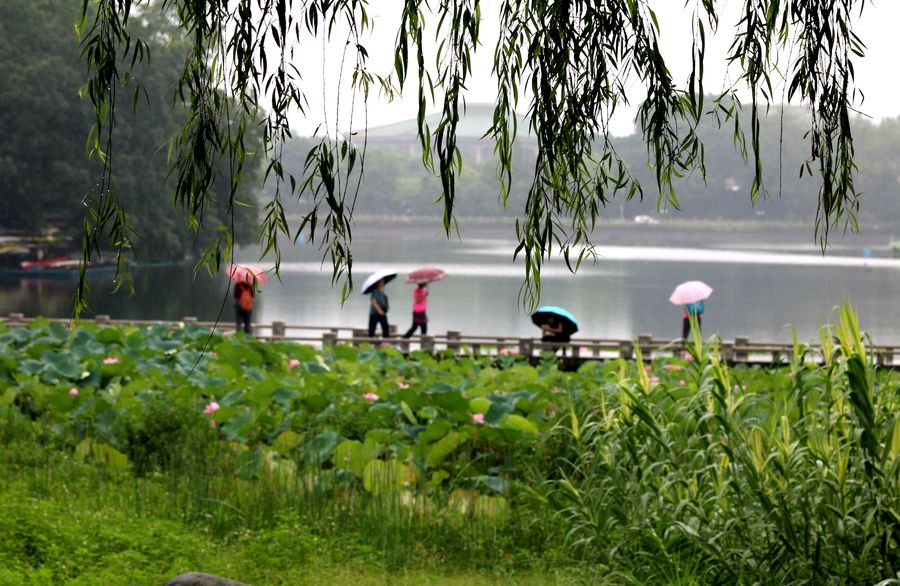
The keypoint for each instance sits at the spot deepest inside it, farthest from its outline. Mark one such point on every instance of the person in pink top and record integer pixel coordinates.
(420, 302)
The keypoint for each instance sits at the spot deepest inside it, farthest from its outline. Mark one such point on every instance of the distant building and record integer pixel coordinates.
(470, 134)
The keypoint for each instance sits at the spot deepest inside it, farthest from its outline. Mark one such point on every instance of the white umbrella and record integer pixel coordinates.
(384, 274)
(690, 292)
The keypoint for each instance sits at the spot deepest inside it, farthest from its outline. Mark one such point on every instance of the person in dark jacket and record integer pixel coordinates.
(378, 311)
(243, 305)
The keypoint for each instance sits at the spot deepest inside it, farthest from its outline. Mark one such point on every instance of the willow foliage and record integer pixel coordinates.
(570, 64)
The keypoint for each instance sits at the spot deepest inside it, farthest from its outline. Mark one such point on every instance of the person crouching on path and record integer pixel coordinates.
(243, 306)
(378, 311)
(420, 302)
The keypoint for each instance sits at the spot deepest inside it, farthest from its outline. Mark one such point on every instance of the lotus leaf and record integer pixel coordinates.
(319, 450)
(380, 477)
(287, 441)
(355, 456)
(440, 450)
(247, 464)
(103, 453)
(518, 423)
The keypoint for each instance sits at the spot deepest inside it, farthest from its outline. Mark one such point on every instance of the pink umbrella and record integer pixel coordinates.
(690, 292)
(245, 273)
(425, 275)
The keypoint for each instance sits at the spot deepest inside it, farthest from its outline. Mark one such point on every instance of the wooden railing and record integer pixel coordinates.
(741, 350)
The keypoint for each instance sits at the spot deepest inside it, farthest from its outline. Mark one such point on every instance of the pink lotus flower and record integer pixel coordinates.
(743, 387)
(212, 422)
(73, 392)
(478, 418)
(211, 408)
(503, 352)
(293, 363)
(648, 367)
(213, 354)
(654, 379)
(682, 382)
(370, 397)
(402, 385)
(791, 373)
(674, 367)
(110, 360)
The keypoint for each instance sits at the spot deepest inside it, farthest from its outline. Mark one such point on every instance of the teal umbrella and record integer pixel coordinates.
(548, 312)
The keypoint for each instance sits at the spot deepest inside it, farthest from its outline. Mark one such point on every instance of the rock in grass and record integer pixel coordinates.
(201, 579)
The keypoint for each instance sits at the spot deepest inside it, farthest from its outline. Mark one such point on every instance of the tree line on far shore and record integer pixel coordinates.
(396, 183)
(45, 174)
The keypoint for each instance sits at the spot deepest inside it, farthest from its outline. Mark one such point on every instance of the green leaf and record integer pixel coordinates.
(319, 450)
(518, 423)
(287, 441)
(440, 450)
(380, 477)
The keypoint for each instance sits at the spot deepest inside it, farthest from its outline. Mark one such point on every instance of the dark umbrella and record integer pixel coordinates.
(547, 312)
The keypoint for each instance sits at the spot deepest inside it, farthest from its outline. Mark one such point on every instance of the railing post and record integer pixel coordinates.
(102, 320)
(329, 339)
(428, 344)
(452, 337)
(189, 320)
(15, 319)
(741, 345)
(644, 343)
(392, 329)
(727, 351)
(278, 330)
(356, 335)
(626, 350)
(576, 351)
(526, 347)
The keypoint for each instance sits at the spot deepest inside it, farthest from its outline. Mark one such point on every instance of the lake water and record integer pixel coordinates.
(760, 288)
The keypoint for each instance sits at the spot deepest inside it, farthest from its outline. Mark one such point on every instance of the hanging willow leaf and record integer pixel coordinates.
(570, 65)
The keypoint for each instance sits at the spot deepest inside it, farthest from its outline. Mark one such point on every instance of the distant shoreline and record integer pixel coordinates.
(795, 234)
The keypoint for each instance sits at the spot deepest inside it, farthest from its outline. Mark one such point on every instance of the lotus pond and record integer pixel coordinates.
(677, 470)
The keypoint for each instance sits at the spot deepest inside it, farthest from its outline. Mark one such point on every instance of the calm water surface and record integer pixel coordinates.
(757, 292)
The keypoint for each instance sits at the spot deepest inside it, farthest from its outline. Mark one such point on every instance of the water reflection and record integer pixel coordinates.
(624, 294)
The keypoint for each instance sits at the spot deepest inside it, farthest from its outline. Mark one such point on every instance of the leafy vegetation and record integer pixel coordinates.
(682, 470)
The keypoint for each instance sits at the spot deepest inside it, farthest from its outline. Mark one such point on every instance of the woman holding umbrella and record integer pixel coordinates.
(246, 277)
(556, 323)
(374, 287)
(421, 278)
(691, 295)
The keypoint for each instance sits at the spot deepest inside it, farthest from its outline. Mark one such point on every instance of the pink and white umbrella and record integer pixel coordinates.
(690, 292)
(245, 273)
(425, 275)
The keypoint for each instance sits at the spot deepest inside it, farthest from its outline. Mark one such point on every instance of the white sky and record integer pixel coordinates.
(876, 74)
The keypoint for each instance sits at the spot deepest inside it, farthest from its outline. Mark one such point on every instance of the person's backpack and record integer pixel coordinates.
(695, 308)
(245, 300)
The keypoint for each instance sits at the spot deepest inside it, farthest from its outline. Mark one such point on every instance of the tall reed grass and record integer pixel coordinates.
(788, 483)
